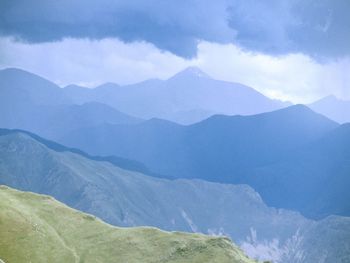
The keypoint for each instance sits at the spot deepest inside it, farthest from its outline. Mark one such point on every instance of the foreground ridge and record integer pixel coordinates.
(38, 228)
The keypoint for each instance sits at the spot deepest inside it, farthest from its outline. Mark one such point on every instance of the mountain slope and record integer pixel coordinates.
(21, 87)
(126, 198)
(227, 142)
(226, 149)
(187, 97)
(53, 121)
(37, 228)
(333, 108)
(30, 102)
(117, 161)
(320, 173)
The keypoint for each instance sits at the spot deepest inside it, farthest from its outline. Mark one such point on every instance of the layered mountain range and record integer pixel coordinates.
(284, 154)
(187, 97)
(127, 198)
(190, 153)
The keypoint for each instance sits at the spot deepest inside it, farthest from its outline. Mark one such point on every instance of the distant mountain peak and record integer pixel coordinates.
(337, 109)
(74, 86)
(297, 108)
(20, 73)
(108, 85)
(192, 72)
(330, 97)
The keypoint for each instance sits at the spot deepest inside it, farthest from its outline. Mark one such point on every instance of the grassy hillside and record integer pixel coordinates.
(37, 228)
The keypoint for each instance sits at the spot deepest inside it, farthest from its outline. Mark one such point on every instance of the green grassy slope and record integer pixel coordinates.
(37, 228)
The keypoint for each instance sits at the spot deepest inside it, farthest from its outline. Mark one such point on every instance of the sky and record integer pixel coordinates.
(297, 50)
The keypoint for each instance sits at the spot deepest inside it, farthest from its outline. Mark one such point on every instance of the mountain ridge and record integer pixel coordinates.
(332, 107)
(127, 198)
(227, 149)
(49, 238)
(115, 160)
(182, 98)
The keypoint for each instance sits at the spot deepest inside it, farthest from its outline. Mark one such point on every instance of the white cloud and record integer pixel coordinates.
(294, 77)
(90, 62)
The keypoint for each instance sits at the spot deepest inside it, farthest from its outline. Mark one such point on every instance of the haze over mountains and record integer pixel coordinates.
(191, 96)
(260, 150)
(126, 198)
(263, 150)
(187, 97)
(20, 88)
(30, 102)
(122, 150)
(334, 108)
(293, 157)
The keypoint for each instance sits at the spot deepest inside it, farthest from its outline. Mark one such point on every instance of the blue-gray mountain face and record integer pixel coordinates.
(294, 158)
(276, 153)
(283, 155)
(333, 108)
(187, 97)
(127, 198)
(35, 104)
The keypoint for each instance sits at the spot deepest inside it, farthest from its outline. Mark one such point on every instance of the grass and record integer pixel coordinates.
(37, 228)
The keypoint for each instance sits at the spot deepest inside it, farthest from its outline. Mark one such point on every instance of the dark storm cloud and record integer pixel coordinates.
(322, 27)
(316, 27)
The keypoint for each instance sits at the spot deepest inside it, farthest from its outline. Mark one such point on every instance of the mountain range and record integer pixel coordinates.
(187, 97)
(162, 153)
(128, 198)
(280, 154)
(259, 150)
(30, 102)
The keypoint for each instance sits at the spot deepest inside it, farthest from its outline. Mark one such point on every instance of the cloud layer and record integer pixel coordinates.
(85, 62)
(319, 28)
